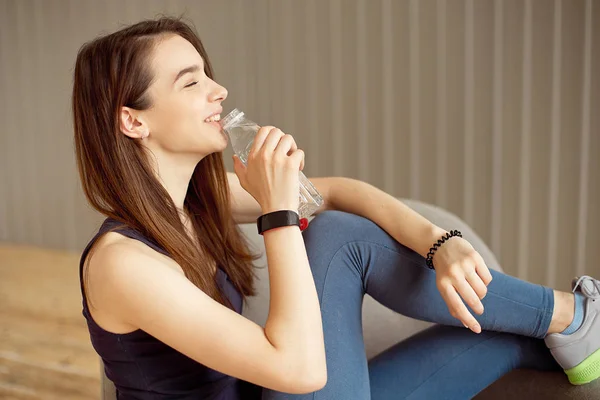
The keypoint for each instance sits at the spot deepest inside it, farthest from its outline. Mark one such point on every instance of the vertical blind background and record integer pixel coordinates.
(488, 108)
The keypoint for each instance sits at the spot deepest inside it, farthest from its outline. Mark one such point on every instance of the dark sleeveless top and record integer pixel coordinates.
(142, 367)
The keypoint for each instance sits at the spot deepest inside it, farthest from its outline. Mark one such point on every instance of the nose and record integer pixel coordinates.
(219, 93)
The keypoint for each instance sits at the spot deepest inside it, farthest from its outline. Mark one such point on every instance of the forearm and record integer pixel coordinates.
(294, 322)
(398, 220)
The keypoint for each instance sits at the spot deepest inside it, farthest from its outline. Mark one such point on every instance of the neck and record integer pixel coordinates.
(175, 173)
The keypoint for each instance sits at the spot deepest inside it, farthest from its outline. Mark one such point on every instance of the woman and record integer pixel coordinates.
(164, 279)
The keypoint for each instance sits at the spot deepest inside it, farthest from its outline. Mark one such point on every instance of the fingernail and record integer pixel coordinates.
(466, 326)
(477, 328)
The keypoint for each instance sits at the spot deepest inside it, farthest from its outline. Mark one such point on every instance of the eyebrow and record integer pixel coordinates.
(192, 68)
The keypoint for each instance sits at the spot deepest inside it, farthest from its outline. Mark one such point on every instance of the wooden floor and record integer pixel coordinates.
(45, 350)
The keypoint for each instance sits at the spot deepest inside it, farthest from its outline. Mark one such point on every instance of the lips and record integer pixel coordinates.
(213, 118)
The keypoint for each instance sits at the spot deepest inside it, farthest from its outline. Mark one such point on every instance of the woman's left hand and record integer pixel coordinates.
(461, 273)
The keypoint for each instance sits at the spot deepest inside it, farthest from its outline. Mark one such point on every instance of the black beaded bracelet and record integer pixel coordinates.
(429, 260)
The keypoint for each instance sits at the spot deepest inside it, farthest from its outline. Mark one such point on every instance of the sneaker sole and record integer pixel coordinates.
(587, 371)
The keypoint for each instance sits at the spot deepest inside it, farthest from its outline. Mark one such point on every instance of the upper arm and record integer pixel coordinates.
(143, 291)
(246, 209)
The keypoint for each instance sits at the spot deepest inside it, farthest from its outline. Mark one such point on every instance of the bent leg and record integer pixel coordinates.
(338, 271)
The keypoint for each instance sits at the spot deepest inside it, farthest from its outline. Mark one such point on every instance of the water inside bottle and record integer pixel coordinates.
(241, 133)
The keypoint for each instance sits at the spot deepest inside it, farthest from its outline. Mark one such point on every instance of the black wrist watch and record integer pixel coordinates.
(277, 219)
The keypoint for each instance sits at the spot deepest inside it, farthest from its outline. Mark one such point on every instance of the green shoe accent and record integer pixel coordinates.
(587, 371)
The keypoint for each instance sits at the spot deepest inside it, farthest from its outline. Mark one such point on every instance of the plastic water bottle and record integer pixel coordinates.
(241, 133)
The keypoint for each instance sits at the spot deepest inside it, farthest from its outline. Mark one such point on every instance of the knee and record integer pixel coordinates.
(332, 220)
(333, 226)
(331, 217)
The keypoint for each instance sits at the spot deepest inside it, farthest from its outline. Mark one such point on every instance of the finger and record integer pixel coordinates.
(458, 310)
(297, 158)
(272, 141)
(482, 269)
(294, 144)
(259, 140)
(469, 296)
(476, 283)
(286, 146)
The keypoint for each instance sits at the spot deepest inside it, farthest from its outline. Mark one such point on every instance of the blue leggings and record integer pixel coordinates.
(350, 256)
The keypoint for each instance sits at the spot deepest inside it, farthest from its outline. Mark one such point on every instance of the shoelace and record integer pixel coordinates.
(591, 290)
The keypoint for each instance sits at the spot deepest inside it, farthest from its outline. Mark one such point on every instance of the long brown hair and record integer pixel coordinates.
(113, 71)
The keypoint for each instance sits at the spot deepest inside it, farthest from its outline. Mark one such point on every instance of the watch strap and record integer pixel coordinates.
(277, 219)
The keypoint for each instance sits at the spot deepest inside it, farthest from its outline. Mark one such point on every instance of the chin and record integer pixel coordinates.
(224, 140)
(215, 148)
(222, 145)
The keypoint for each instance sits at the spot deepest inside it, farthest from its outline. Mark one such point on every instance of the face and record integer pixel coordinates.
(186, 104)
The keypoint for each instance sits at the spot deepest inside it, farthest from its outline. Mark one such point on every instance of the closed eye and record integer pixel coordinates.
(191, 84)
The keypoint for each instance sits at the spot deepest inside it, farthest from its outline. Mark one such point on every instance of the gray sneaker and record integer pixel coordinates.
(579, 353)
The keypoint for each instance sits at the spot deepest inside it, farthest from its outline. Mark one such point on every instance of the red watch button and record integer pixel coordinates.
(303, 223)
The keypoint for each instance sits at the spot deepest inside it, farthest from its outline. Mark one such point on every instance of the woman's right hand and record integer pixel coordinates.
(271, 175)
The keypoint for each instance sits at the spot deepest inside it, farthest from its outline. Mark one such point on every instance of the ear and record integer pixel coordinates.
(132, 124)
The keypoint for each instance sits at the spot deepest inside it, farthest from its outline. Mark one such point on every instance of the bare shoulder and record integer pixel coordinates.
(114, 246)
(112, 270)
